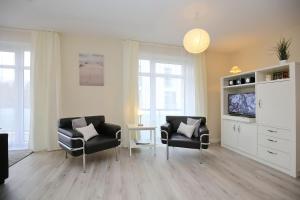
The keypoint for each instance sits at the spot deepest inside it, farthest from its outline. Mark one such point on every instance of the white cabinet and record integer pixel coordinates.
(247, 138)
(274, 104)
(229, 134)
(238, 135)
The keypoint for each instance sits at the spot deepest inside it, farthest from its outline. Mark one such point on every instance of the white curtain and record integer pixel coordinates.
(45, 90)
(200, 85)
(130, 85)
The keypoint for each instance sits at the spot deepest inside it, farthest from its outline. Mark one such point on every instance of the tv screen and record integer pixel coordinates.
(242, 104)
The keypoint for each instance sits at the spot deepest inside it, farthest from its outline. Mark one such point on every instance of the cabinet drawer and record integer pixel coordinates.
(274, 132)
(275, 157)
(274, 143)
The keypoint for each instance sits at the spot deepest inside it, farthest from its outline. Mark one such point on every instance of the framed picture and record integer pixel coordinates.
(91, 69)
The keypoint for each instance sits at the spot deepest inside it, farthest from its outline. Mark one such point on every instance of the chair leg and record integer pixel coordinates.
(116, 150)
(66, 155)
(83, 162)
(167, 152)
(201, 156)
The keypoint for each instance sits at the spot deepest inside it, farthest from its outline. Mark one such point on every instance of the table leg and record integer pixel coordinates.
(129, 133)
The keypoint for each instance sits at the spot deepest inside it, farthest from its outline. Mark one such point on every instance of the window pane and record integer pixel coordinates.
(26, 58)
(169, 93)
(7, 58)
(144, 92)
(26, 104)
(162, 68)
(8, 105)
(144, 66)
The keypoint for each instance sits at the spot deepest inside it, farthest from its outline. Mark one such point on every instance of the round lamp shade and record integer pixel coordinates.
(196, 41)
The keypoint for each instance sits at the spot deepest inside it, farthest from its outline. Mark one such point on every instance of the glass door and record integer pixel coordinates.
(15, 94)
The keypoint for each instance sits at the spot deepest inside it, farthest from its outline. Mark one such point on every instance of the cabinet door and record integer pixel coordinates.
(274, 104)
(247, 138)
(229, 136)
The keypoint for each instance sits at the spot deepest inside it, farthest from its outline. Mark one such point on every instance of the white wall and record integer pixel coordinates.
(261, 54)
(107, 100)
(217, 64)
(7, 35)
(92, 100)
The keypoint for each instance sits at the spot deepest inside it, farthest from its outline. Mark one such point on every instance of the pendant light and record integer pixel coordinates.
(196, 41)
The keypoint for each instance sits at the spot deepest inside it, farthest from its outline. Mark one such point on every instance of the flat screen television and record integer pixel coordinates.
(242, 104)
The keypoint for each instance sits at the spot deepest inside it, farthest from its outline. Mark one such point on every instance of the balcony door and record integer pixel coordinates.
(15, 93)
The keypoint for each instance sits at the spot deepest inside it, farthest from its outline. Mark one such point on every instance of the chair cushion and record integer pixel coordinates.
(175, 121)
(78, 123)
(99, 143)
(179, 140)
(88, 132)
(186, 130)
(196, 123)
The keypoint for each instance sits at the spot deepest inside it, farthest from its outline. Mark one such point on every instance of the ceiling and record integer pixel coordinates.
(232, 24)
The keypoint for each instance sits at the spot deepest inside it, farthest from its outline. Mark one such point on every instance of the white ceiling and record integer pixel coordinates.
(232, 24)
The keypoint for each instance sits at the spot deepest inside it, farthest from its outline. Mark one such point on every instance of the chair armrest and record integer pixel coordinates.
(204, 137)
(203, 130)
(70, 133)
(112, 130)
(165, 131)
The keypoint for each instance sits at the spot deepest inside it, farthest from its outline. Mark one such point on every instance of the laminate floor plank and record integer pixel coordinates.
(217, 174)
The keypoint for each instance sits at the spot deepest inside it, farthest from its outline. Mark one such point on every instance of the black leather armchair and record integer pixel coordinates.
(3, 157)
(170, 137)
(73, 143)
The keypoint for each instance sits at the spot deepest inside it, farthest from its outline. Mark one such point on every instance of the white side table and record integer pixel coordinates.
(133, 128)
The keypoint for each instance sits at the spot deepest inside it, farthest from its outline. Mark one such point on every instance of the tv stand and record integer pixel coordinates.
(239, 118)
(271, 138)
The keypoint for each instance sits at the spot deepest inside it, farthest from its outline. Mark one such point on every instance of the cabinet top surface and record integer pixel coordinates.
(261, 69)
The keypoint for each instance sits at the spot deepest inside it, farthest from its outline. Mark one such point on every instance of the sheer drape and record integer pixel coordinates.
(45, 90)
(130, 85)
(174, 56)
(200, 85)
(172, 82)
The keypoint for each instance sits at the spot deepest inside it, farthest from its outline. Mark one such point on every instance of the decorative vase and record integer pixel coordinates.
(282, 62)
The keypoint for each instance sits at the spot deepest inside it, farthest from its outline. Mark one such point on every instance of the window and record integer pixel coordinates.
(161, 90)
(15, 93)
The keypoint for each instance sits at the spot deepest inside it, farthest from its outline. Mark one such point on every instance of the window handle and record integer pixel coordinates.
(271, 131)
(270, 152)
(272, 140)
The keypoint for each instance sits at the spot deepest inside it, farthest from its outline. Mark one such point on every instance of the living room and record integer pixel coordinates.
(94, 94)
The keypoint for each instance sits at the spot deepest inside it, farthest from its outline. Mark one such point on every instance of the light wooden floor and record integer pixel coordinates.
(224, 175)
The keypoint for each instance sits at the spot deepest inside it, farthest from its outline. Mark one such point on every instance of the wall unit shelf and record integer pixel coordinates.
(271, 138)
(239, 86)
(239, 118)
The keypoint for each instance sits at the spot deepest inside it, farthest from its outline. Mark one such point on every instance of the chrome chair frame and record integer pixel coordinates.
(83, 147)
(167, 140)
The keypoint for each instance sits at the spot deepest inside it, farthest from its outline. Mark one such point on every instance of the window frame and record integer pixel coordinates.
(19, 49)
(153, 75)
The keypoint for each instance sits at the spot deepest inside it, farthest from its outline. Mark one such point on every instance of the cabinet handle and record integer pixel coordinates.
(272, 140)
(270, 152)
(239, 128)
(259, 103)
(271, 131)
(233, 127)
